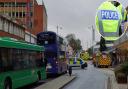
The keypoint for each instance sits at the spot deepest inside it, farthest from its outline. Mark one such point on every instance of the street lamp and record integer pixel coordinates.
(93, 37)
(58, 27)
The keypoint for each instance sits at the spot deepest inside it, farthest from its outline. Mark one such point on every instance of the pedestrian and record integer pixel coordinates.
(114, 59)
(70, 70)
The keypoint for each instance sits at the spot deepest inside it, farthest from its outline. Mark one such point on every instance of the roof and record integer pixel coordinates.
(13, 43)
(51, 32)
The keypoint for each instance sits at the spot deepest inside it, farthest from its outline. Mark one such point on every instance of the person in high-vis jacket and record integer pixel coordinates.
(123, 12)
(108, 21)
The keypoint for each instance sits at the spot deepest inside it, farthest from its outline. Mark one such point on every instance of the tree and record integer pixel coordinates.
(73, 42)
(102, 44)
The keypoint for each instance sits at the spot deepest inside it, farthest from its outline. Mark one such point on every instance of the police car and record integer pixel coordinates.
(77, 62)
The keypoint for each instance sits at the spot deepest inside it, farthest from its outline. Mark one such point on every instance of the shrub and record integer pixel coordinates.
(121, 72)
(118, 69)
(125, 68)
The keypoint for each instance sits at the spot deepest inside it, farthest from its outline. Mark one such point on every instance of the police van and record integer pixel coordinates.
(77, 62)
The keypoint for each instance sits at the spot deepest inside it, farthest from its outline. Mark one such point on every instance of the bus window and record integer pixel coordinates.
(50, 54)
(61, 40)
(62, 55)
(39, 59)
(46, 39)
(5, 59)
(21, 59)
(25, 56)
(32, 58)
(17, 59)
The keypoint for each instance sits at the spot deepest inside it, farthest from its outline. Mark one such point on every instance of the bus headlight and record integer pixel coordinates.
(49, 66)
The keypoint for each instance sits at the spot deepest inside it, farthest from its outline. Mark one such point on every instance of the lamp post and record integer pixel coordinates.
(93, 37)
(58, 27)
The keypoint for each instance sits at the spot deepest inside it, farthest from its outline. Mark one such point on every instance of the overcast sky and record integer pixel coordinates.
(74, 16)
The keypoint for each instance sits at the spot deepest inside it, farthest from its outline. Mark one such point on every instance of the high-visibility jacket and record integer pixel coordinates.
(108, 20)
(123, 12)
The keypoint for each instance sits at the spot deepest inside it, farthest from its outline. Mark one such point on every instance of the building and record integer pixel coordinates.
(26, 12)
(11, 28)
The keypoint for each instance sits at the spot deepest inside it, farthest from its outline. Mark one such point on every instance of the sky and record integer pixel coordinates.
(74, 16)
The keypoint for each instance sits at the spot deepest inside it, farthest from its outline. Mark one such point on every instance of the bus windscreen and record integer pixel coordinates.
(46, 39)
(50, 54)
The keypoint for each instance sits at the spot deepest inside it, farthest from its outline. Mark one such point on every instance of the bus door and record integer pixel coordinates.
(52, 61)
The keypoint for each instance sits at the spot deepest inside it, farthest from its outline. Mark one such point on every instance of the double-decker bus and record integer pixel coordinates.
(20, 63)
(55, 52)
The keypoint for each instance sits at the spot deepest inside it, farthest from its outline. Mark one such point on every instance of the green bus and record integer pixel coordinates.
(21, 63)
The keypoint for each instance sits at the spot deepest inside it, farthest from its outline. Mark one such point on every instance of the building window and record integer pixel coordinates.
(13, 14)
(1, 24)
(31, 24)
(13, 4)
(27, 37)
(10, 4)
(31, 14)
(14, 29)
(9, 14)
(5, 26)
(1, 4)
(17, 14)
(20, 4)
(11, 28)
(22, 33)
(20, 14)
(17, 31)
(6, 4)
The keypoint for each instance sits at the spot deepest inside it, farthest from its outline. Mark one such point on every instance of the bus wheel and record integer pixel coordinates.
(7, 84)
(39, 76)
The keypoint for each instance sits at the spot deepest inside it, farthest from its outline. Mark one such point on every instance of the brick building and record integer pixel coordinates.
(11, 28)
(26, 12)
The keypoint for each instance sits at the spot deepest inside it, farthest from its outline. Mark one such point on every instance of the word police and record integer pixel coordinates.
(109, 15)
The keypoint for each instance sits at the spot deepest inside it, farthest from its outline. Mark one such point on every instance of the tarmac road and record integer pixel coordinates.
(89, 78)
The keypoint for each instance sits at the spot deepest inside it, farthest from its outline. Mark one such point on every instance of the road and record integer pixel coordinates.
(91, 78)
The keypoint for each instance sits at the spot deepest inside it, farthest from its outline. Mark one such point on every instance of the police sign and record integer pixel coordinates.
(109, 15)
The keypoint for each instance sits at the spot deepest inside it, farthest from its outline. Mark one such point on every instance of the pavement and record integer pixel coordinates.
(122, 86)
(57, 83)
(112, 83)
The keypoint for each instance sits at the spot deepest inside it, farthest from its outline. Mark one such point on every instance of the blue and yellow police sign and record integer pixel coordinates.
(108, 21)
